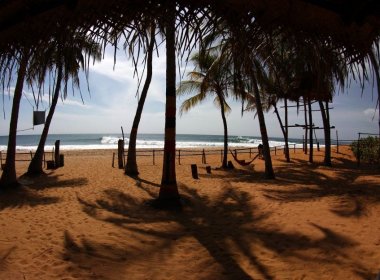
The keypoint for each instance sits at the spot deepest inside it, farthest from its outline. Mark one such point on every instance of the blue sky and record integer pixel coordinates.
(112, 104)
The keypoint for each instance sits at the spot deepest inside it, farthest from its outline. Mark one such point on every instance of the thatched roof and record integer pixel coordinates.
(352, 23)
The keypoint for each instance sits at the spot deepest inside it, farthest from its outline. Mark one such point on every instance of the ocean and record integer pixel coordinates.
(147, 141)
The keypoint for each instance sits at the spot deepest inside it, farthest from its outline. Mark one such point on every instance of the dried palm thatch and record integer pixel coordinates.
(354, 24)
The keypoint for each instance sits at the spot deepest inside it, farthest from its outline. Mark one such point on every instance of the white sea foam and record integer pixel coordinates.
(110, 142)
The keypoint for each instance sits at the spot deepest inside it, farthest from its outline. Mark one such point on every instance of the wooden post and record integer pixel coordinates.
(358, 147)
(120, 153)
(44, 160)
(318, 146)
(154, 162)
(204, 157)
(275, 150)
(56, 154)
(113, 159)
(194, 171)
(303, 143)
(337, 141)
(179, 157)
(61, 160)
(208, 169)
(31, 155)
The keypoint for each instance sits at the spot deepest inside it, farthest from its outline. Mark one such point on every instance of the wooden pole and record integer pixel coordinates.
(113, 159)
(337, 141)
(358, 147)
(179, 157)
(56, 154)
(303, 143)
(194, 171)
(204, 157)
(120, 153)
(275, 150)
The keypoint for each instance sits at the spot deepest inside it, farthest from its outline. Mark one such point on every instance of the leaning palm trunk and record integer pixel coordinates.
(131, 167)
(269, 173)
(327, 132)
(284, 129)
(169, 195)
(35, 166)
(375, 66)
(222, 111)
(9, 178)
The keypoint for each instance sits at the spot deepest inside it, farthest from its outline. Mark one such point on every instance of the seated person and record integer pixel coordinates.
(260, 150)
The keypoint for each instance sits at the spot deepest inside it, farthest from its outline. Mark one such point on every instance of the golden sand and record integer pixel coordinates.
(88, 220)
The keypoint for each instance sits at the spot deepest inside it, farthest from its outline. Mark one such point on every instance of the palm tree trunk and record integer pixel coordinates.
(375, 66)
(222, 111)
(310, 131)
(287, 154)
(284, 130)
(327, 132)
(306, 125)
(131, 167)
(269, 173)
(169, 190)
(35, 166)
(9, 178)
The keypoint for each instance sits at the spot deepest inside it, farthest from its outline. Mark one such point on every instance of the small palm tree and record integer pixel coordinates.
(210, 78)
(131, 166)
(66, 56)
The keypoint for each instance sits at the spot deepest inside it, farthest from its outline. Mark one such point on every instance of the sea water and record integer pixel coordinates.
(147, 141)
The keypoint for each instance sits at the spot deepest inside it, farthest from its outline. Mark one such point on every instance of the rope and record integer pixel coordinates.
(28, 99)
(32, 128)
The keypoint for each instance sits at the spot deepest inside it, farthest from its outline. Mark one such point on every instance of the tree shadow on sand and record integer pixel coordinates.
(230, 228)
(48, 182)
(24, 196)
(353, 197)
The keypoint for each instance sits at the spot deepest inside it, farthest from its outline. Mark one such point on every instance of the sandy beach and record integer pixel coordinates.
(88, 220)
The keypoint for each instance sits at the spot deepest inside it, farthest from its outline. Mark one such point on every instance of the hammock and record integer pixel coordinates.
(243, 162)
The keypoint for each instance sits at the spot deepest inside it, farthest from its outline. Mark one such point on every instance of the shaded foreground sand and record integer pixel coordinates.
(88, 220)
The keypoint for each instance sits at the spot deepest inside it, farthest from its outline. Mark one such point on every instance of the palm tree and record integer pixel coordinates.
(131, 166)
(269, 173)
(210, 79)
(67, 56)
(8, 177)
(169, 195)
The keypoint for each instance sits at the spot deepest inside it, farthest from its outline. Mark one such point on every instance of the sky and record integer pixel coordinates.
(112, 102)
